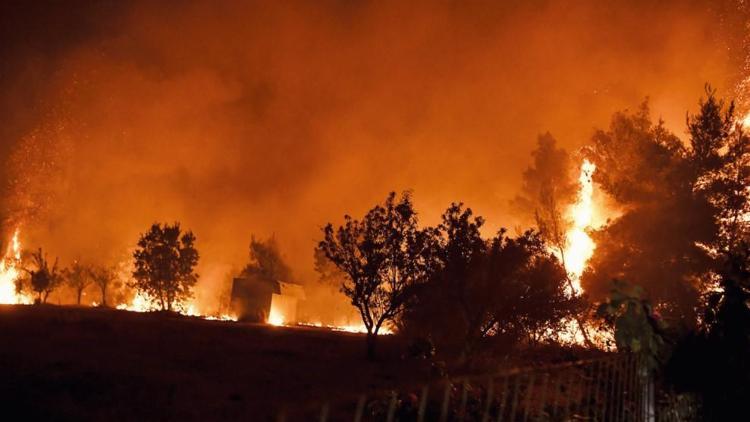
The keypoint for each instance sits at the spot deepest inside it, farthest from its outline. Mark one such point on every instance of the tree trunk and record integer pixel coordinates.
(371, 341)
(78, 298)
(104, 296)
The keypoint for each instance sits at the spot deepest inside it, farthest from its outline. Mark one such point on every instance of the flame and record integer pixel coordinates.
(347, 328)
(275, 317)
(10, 272)
(579, 245)
(143, 303)
(745, 121)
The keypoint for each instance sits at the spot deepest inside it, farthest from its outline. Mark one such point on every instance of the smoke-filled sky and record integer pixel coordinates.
(277, 117)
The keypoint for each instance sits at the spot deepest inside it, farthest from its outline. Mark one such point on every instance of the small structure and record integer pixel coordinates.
(259, 299)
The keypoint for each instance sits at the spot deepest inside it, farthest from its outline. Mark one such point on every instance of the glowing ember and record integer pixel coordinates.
(142, 303)
(347, 328)
(10, 272)
(579, 246)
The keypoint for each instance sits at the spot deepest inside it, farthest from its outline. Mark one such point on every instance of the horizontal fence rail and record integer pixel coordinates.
(614, 388)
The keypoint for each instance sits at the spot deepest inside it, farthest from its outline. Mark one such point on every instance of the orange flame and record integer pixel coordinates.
(579, 245)
(10, 272)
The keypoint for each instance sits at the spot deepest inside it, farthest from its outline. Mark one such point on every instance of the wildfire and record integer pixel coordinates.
(275, 317)
(579, 245)
(347, 328)
(745, 122)
(10, 272)
(142, 303)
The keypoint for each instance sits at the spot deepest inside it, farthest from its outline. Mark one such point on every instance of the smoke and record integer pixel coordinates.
(237, 118)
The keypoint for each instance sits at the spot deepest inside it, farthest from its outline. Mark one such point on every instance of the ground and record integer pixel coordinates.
(71, 363)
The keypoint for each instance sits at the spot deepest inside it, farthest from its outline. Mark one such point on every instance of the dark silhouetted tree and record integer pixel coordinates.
(657, 241)
(266, 261)
(384, 256)
(497, 291)
(164, 265)
(43, 279)
(103, 277)
(78, 277)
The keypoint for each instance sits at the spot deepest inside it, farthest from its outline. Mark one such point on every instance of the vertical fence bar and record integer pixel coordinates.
(595, 369)
(464, 394)
(543, 394)
(446, 401)
(324, 412)
(422, 404)
(503, 399)
(516, 386)
(555, 394)
(638, 389)
(360, 408)
(585, 391)
(612, 389)
(633, 389)
(528, 391)
(392, 406)
(576, 383)
(568, 390)
(618, 397)
(596, 404)
(489, 399)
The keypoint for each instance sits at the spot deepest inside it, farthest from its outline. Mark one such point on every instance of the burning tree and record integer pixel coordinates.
(164, 265)
(78, 277)
(383, 256)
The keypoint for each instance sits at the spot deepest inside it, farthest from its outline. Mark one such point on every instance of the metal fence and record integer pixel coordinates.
(614, 388)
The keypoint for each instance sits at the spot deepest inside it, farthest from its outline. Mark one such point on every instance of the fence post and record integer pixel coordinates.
(528, 390)
(392, 406)
(446, 401)
(360, 408)
(324, 412)
(422, 404)
(462, 406)
(503, 400)
(516, 386)
(543, 396)
(488, 402)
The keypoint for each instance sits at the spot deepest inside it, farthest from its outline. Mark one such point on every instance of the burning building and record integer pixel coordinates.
(258, 299)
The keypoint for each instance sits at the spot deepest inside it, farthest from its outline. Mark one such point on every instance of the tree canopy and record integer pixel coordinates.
(165, 260)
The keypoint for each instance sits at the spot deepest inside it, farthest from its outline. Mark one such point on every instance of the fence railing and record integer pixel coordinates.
(613, 388)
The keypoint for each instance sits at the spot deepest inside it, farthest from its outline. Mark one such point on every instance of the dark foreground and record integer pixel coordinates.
(65, 363)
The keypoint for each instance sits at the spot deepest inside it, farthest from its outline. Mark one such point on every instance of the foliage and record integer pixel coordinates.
(78, 277)
(43, 280)
(547, 188)
(384, 255)
(164, 265)
(103, 277)
(266, 261)
(672, 202)
(713, 361)
(637, 328)
(504, 289)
